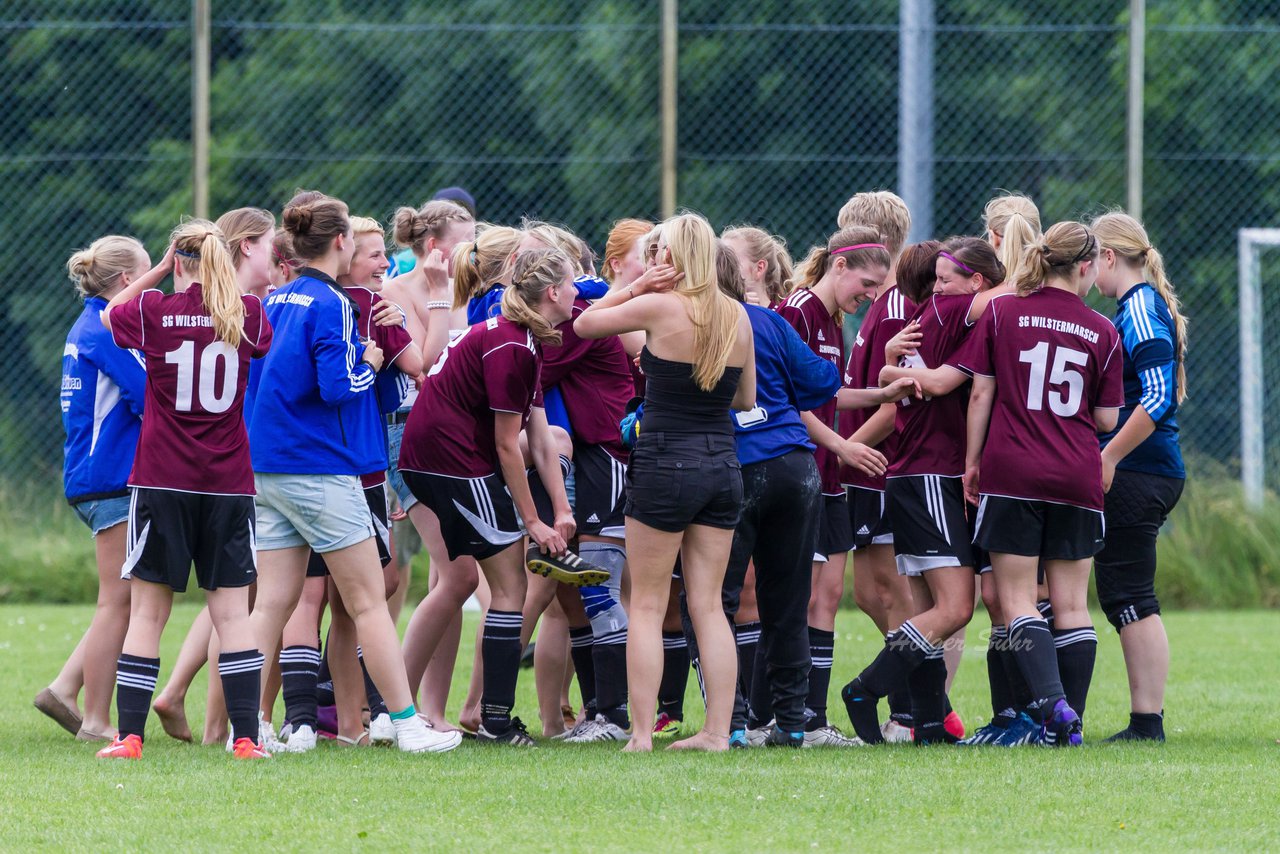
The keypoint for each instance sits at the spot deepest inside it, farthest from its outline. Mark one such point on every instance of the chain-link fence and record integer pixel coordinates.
(553, 108)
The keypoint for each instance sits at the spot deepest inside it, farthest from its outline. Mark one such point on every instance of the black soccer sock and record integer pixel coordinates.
(821, 650)
(900, 707)
(748, 638)
(675, 675)
(1147, 725)
(903, 652)
(241, 674)
(610, 661)
(1001, 691)
(135, 683)
(299, 675)
(1033, 649)
(324, 679)
(1077, 649)
(1045, 607)
(500, 652)
(580, 644)
(538, 490)
(927, 685)
(377, 706)
(1018, 687)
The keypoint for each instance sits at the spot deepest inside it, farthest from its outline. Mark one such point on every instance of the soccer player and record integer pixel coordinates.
(102, 396)
(1141, 460)
(1048, 375)
(461, 457)
(763, 262)
(192, 483)
(685, 490)
(314, 428)
(833, 279)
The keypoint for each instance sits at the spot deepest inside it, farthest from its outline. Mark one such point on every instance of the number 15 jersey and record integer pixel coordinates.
(1054, 360)
(193, 436)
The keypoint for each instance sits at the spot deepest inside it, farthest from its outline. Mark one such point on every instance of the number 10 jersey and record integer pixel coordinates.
(193, 436)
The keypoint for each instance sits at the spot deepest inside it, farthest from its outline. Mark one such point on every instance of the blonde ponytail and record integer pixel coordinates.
(482, 262)
(535, 271)
(714, 315)
(96, 269)
(1052, 256)
(202, 240)
(1160, 281)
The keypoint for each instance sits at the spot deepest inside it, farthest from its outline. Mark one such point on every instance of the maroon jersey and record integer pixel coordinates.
(392, 340)
(884, 319)
(595, 381)
(193, 436)
(931, 431)
(492, 367)
(809, 317)
(1054, 360)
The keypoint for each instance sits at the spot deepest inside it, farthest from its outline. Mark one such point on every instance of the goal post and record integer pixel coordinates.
(1252, 426)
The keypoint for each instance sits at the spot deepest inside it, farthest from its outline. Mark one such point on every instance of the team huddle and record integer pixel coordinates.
(667, 467)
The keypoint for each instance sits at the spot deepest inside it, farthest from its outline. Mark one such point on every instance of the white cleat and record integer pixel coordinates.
(583, 726)
(414, 736)
(895, 733)
(829, 736)
(759, 737)
(267, 736)
(301, 740)
(382, 730)
(601, 729)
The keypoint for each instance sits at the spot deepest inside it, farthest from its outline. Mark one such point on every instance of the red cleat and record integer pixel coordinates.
(247, 748)
(129, 747)
(953, 724)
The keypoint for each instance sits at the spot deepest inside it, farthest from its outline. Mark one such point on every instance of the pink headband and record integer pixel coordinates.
(954, 260)
(859, 246)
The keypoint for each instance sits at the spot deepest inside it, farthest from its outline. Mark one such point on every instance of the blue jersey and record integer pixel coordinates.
(1150, 381)
(790, 379)
(103, 387)
(315, 403)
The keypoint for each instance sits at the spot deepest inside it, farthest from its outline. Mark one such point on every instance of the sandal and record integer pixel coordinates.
(89, 735)
(361, 740)
(53, 706)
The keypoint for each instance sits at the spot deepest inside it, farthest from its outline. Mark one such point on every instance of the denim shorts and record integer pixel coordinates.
(327, 512)
(102, 513)
(676, 480)
(395, 435)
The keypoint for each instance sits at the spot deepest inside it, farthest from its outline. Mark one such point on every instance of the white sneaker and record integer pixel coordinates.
(829, 736)
(414, 736)
(602, 729)
(301, 740)
(894, 732)
(758, 737)
(382, 730)
(267, 739)
(583, 726)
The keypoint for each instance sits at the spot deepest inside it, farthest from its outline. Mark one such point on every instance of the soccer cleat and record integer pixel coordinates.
(577, 729)
(930, 735)
(861, 708)
(601, 729)
(1064, 728)
(894, 732)
(779, 737)
(267, 736)
(953, 724)
(515, 735)
(382, 730)
(1020, 732)
(986, 734)
(414, 736)
(245, 748)
(738, 740)
(666, 726)
(760, 737)
(301, 740)
(129, 747)
(829, 736)
(567, 568)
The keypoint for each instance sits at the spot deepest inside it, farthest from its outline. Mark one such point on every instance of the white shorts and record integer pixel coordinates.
(327, 512)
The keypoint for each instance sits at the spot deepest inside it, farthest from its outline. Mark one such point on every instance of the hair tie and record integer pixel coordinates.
(858, 246)
(186, 254)
(962, 265)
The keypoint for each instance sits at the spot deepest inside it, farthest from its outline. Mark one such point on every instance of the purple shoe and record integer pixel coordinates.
(327, 721)
(1063, 729)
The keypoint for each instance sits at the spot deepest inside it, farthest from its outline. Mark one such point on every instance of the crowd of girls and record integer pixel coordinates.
(667, 464)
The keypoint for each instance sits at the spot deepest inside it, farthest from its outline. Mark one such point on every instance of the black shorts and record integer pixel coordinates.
(1019, 526)
(169, 530)
(1136, 507)
(868, 517)
(376, 498)
(477, 516)
(835, 534)
(981, 560)
(680, 479)
(930, 530)
(600, 483)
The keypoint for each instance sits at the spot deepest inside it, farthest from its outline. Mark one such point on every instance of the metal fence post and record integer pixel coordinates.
(1137, 74)
(670, 69)
(200, 59)
(915, 113)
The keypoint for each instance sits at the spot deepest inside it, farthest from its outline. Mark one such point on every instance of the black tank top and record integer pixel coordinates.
(673, 403)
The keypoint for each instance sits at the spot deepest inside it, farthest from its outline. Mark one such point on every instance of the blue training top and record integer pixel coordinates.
(103, 387)
(314, 402)
(790, 379)
(1150, 381)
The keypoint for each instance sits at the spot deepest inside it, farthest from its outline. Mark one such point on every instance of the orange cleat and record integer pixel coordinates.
(129, 747)
(247, 748)
(953, 724)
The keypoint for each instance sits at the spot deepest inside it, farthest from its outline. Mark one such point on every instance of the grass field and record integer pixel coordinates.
(1215, 784)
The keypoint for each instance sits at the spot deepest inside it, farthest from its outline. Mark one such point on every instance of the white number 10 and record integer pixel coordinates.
(212, 400)
(1064, 402)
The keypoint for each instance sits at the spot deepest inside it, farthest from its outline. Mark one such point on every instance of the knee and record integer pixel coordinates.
(1123, 611)
(563, 444)
(869, 599)
(958, 614)
(992, 603)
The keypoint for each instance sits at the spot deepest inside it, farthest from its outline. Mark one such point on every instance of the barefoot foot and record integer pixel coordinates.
(173, 717)
(702, 740)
